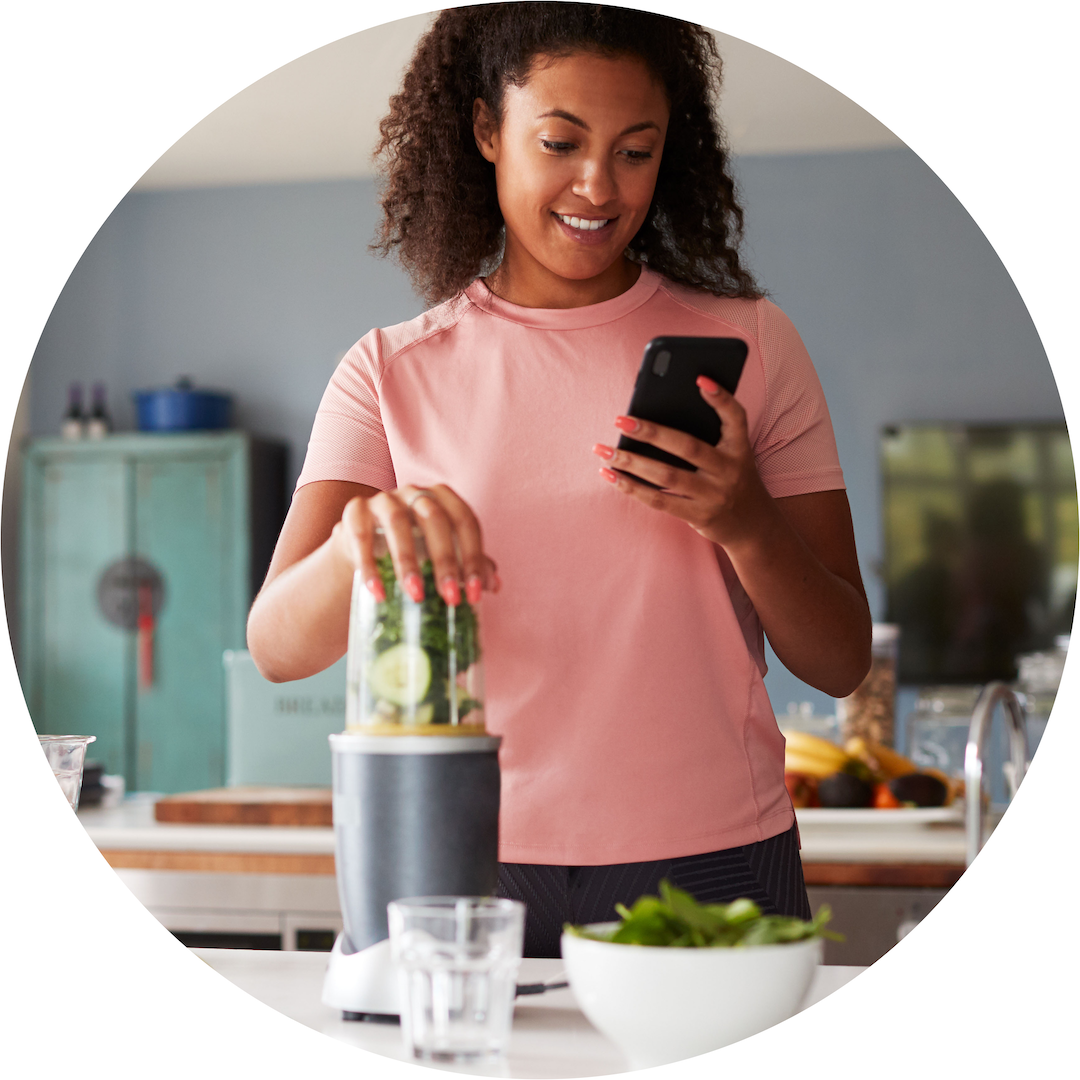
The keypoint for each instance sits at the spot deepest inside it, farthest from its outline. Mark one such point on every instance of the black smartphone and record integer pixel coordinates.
(666, 390)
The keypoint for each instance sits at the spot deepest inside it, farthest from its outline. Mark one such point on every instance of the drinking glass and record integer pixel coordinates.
(66, 754)
(457, 959)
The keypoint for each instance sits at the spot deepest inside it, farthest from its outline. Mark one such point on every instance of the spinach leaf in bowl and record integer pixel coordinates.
(674, 919)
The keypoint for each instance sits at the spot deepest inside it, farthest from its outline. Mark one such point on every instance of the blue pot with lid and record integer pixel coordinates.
(182, 408)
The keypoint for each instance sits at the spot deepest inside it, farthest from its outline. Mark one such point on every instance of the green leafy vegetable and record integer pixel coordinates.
(674, 919)
(389, 631)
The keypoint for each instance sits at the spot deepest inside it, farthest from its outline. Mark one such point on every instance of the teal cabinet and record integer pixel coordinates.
(140, 555)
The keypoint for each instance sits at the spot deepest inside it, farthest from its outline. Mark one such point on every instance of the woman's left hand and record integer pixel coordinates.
(724, 499)
(795, 557)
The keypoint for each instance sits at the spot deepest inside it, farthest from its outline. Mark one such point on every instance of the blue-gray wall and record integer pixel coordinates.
(902, 303)
(254, 290)
(905, 308)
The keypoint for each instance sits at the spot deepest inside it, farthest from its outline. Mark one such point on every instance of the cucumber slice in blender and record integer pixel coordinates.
(402, 675)
(387, 711)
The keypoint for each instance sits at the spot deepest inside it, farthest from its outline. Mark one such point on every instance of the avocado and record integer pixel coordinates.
(922, 789)
(844, 790)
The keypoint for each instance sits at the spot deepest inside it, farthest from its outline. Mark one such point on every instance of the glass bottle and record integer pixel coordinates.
(98, 425)
(870, 712)
(73, 426)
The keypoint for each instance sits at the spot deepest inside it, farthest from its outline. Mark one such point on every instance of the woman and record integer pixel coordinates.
(557, 183)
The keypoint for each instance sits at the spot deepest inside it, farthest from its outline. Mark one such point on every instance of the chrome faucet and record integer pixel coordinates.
(1015, 769)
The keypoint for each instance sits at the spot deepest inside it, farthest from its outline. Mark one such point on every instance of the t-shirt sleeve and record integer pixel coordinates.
(795, 447)
(348, 441)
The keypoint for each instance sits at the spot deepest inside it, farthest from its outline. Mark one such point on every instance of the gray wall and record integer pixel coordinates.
(904, 306)
(255, 290)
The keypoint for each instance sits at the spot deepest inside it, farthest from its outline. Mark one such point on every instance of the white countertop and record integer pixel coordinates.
(551, 1037)
(826, 837)
(889, 836)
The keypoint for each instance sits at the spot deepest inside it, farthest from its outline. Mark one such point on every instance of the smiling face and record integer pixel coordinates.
(576, 158)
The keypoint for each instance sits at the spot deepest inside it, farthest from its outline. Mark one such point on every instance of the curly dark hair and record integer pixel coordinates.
(441, 212)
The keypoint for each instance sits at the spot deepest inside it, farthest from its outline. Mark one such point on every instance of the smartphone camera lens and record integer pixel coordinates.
(660, 364)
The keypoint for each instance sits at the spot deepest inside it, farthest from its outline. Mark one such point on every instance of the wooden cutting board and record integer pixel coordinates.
(247, 806)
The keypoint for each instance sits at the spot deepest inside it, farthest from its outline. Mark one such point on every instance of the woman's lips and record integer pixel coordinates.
(586, 235)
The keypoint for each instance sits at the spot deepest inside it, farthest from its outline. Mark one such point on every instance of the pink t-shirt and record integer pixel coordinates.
(623, 660)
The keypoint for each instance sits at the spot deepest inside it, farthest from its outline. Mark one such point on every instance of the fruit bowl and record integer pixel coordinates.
(663, 1004)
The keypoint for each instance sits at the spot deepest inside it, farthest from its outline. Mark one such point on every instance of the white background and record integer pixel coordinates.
(93, 93)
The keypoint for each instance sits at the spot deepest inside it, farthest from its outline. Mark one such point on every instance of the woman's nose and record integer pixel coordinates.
(596, 182)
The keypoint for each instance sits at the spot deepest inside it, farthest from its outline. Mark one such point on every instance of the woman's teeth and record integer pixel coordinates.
(583, 223)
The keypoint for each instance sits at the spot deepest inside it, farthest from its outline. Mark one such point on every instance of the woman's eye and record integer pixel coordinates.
(556, 147)
(638, 155)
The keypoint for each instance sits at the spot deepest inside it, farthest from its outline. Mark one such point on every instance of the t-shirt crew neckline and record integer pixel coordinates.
(567, 318)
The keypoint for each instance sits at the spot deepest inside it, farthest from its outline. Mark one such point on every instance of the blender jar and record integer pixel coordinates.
(412, 668)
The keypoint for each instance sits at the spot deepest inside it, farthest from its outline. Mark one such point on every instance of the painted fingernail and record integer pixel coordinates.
(451, 592)
(626, 423)
(707, 384)
(608, 475)
(603, 451)
(474, 588)
(414, 586)
(375, 587)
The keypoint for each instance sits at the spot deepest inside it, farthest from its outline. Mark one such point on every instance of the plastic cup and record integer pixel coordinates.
(457, 959)
(66, 755)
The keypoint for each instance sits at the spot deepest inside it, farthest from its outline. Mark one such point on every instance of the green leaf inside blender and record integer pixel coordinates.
(421, 684)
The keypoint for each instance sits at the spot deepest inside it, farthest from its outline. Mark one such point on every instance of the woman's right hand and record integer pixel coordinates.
(299, 622)
(451, 533)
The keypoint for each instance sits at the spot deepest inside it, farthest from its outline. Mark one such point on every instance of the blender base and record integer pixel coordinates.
(362, 983)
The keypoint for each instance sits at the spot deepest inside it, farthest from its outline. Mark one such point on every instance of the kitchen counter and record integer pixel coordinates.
(877, 873)
(551, 1037)
(883, 847)
(835, 850)
(203, 881)
(130, 838)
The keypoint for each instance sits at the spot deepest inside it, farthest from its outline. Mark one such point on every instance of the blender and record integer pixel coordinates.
(415, 777)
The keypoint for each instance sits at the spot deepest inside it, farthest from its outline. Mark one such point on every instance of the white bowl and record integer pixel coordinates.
(660, 1005)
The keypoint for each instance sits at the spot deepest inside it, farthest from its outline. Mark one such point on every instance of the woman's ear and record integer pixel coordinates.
(485, 130)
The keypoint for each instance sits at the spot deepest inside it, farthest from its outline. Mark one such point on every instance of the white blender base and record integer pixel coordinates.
(362, 982)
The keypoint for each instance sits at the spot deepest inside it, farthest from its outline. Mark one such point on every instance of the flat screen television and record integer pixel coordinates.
(980, 545)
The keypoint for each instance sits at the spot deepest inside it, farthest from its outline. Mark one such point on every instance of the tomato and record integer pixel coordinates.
(884, 799)
(802, 789)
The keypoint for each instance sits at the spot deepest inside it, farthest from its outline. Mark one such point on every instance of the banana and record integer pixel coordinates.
(810, 746)
(808, 765)
(880, 758)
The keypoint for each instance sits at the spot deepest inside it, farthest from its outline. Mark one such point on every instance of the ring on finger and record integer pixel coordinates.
(420, 493)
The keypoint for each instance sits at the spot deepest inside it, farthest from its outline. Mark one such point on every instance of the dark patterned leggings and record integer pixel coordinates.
(769, 872)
